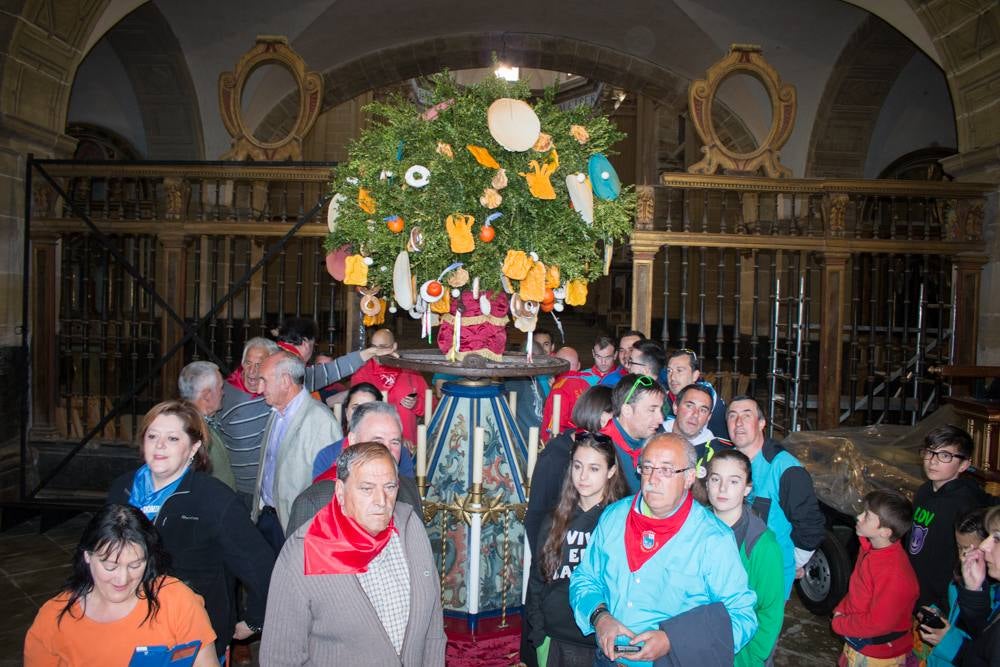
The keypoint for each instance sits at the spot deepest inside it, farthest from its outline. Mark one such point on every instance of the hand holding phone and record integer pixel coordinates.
(628, 648)
(930, 618)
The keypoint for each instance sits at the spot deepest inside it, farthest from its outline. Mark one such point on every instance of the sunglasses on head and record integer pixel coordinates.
(689, 351)
(643, 381)
(599, 437)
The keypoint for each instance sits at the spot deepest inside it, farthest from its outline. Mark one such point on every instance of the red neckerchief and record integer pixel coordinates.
(644, 535)
(288, 347)
(596, 371)
(611, 430)
(236, 379)
(331, 472)
(336, 544)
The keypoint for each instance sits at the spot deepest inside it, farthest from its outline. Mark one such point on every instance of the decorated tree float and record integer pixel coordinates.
(482, 208)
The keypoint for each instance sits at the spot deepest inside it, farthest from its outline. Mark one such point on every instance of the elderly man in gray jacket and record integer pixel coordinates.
(357, 585)
(298, 428)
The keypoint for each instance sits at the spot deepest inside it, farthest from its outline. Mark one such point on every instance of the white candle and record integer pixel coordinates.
(475, 554)
(512, 399)
(556, 414)
(532, 451)
(478, 440)
(385, 396)
(338, 411)
(422, 450)
(428, 405)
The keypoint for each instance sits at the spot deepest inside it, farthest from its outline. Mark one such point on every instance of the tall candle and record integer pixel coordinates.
(385, 396)
(428, 405)
(512, 399)
(532, 450)
(422, 450)
(556, 414)
(338, 411)
(478, 442)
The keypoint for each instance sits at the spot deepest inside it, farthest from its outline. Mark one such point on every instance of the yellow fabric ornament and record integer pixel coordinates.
(552, 277)
(355, 270)
(576, 293)
(378, 318)
(532, 287)
(459, 229)
(516, 265)
(366, 202)
(539, 182)
(443, 305)
(483, 157)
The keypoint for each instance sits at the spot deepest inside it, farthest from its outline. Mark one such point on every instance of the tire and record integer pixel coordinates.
(826, 577)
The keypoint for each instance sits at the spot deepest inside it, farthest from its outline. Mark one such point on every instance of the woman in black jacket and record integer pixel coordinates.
(203, 524)
(592, 482)
(979, 611)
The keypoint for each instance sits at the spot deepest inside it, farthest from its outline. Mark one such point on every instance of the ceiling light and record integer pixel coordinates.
(508, 73)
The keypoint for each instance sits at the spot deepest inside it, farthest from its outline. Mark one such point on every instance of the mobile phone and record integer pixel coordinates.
(628, 648)
(930, 619)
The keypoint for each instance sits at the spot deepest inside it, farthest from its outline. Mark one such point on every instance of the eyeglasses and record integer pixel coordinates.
(642, 380)
(690, 352)
(661, 472)
(942, 456)
(631, 363)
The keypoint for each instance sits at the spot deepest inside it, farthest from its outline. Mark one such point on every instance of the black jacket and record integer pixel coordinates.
(206, 529)
(931, 544)
(976, 617)
(547, 605)
(546, 484)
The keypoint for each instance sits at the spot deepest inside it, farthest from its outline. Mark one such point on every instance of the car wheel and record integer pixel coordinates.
(826, 576)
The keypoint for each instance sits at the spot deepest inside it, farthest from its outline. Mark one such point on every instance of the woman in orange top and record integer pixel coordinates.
(117, 599)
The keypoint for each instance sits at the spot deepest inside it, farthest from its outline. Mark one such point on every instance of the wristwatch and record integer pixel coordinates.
(255, 629)
(594, 615)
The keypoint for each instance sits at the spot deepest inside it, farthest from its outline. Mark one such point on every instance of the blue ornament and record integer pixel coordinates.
(603, 177)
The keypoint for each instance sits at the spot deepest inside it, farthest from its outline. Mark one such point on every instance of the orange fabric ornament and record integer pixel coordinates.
(366, 202)
(459, 229)
(532, 287)
(576, 293)
(443, 305)
(355, 270)
(552, 277)
(539, 183)
(483, 157)
(516, 265)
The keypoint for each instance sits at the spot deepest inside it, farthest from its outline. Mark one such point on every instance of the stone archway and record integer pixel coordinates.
(861, 80)
(465, 51)
(154, 62)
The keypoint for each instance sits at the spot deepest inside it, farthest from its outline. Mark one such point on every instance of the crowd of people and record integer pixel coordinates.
(663, 526)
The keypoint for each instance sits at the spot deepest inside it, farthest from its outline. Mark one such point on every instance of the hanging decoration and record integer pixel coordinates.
(521, 217)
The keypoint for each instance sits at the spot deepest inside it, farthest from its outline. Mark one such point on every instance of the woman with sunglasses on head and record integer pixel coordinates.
(592, 482)
(118, 598)
(590, 413)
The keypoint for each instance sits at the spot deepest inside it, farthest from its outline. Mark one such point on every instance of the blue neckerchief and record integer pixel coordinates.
(632, 442)
(145, 498)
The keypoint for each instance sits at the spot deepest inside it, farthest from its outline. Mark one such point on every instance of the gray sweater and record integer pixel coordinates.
(328, 620)
(242, 419)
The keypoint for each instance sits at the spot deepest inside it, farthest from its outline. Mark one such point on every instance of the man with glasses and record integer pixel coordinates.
(662, 573)
(684, 368)
(625, 343)
(646, 358)
(244, 414)
(692, 408)
(403, 388)
(782, 492)
(637, 404)
(938, 504)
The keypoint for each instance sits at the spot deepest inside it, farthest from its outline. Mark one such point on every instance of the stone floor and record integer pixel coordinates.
(33, 567)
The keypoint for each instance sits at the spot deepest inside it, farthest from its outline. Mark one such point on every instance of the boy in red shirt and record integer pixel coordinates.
(874, 617)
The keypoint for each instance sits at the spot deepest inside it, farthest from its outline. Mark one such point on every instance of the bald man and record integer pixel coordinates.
(403, 388)
(627, 589)
(569, 386)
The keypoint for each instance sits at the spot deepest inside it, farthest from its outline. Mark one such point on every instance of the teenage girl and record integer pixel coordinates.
(729, 482)
(592, 482)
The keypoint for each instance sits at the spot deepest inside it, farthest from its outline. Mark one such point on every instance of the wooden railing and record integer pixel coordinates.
(830, 297)
(189, 231)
